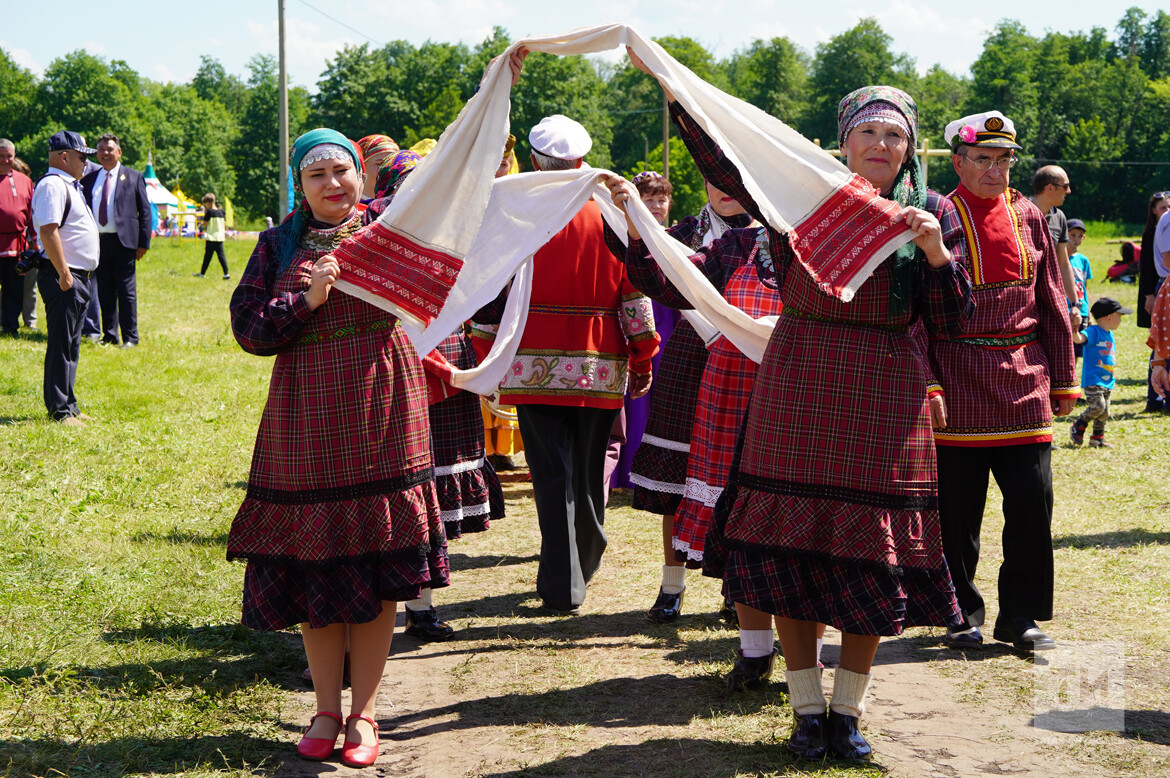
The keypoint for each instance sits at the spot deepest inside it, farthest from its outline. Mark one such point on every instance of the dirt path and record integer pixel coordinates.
(518, 692)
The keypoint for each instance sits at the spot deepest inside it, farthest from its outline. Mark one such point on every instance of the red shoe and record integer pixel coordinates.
(355, 754)
(318, 749)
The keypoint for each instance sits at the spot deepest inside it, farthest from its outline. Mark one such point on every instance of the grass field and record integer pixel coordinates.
(120, 652)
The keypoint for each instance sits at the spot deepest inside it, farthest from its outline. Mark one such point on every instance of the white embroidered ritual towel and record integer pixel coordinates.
(410, 260)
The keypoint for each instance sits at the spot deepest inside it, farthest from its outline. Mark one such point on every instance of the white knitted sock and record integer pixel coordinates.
(674, 579)
(423, 603)
(805, 694)
(849, 692)
(755, 643)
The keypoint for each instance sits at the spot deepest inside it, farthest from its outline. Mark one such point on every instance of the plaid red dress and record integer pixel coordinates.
(340, 512)
(740, 265)
(831, 512)
(659, 469)
(469, 491)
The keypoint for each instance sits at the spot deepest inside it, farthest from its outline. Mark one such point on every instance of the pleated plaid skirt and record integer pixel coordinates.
(469, 490)
(831, 510)
(341, 511)
(659, 470)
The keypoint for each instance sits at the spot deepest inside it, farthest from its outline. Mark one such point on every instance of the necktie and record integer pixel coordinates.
(102, 219)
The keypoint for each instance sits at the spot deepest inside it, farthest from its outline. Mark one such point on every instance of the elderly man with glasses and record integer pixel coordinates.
(1003, 379)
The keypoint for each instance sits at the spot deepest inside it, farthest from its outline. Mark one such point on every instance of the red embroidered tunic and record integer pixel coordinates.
(587, 325)
(1016, 352)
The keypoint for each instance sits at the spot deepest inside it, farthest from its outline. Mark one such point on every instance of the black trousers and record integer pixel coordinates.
(565, 449)
(209, 247)
(1024, 476)
(117, 283)
(11, 295)
(64, 312)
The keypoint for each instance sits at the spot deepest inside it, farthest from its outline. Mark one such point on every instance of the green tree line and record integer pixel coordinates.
(1097, 103)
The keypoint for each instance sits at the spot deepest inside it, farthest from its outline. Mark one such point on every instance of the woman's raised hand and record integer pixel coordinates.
(637, 62)
(325, 271)
(927, 234)
(621, 190)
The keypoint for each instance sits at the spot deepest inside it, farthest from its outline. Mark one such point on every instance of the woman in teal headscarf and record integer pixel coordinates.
(341, 520)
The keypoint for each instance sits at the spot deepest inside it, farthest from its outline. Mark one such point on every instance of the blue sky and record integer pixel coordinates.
(165, 44)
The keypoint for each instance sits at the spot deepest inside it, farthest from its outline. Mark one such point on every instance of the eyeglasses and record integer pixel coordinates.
(1066, 186)
(985, 163)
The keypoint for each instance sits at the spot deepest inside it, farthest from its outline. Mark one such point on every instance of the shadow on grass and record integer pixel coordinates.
(229, 656)
(177, 538)
(10, 420)
(1118, 539)
(140, 755)
(671, 758)
(461, 562)
(1150, 726)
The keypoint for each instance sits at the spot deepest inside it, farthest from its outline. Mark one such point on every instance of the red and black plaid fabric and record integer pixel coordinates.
(470, 495)
(837, 464)
(659, 469)
(1001, 395)
(723, 398)
(341, 473)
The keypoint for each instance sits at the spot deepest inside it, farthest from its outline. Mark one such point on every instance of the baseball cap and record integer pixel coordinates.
(1076, 224)
(1107, 305)
(67, 139)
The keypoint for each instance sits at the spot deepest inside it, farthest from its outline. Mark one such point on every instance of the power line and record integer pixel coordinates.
(343, 24)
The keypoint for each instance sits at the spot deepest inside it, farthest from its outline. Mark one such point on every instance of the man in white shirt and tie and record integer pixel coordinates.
(117, 195)
(69, 238)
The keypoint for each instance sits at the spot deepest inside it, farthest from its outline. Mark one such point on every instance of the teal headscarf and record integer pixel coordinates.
(289, 233)
(908, 188)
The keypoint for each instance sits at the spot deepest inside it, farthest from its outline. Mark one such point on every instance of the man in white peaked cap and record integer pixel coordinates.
(589, 334)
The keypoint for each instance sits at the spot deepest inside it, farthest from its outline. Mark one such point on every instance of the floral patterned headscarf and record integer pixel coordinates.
(867, 100)
(393, 171)
(887, 103)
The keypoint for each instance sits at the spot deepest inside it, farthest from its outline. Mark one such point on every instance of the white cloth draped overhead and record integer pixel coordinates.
(454, 236)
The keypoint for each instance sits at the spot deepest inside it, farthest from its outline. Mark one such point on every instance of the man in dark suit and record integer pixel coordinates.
(122, 211)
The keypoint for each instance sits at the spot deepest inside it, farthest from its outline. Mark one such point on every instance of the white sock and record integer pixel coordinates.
(423, 603)
(805, 694)
(820, 645)
(755, 643)
(849, 692)
(674, 579)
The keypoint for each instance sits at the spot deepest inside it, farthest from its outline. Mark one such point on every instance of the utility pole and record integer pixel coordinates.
(282, 163)
(665, 137)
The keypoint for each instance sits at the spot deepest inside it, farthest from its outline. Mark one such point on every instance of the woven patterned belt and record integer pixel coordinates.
(573, 310)
(991, 341)
(346, 332)
(790, 311)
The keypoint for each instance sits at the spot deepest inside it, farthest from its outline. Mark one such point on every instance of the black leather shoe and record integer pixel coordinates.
(750, 672)
(666, 608)
(808, 738)
(1022, 633)
(729, 614)
(425, 626)
(969, 638)
(845, 741)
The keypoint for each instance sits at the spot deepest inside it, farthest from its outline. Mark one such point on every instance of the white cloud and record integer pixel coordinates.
(23, 58)
(94, 47)
(161, 73)
(307, 46)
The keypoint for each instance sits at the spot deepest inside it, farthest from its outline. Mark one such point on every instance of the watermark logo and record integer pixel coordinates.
(1079, 687)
